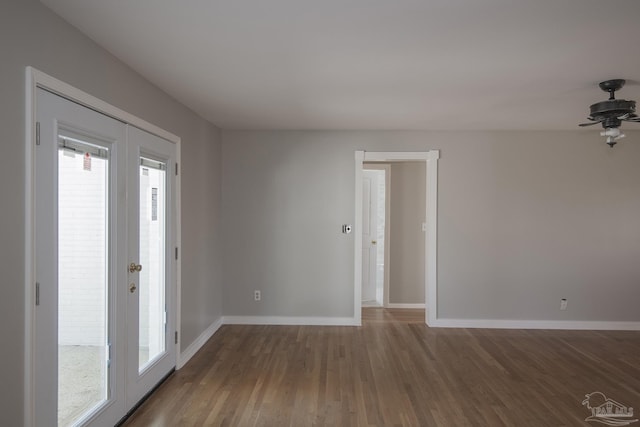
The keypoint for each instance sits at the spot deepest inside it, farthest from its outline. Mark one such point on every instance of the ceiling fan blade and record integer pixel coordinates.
(590, 124)
(634, 118)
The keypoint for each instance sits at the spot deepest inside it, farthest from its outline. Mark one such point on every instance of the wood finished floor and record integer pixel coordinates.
(396, 371)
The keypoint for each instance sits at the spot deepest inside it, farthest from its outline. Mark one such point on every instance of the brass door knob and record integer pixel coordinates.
(133, 267)
(374, 242)
(132, 287)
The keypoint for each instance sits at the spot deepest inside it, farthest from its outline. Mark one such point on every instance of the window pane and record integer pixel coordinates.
(83, 249)
(152, 258)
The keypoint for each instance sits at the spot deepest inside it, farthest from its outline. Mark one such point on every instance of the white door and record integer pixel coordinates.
(151, 273)
(84, 321)
(369, 236)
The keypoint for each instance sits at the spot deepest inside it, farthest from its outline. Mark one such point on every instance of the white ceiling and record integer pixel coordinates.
(374, 64)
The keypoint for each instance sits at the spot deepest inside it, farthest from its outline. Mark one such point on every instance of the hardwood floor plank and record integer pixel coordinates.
(395, 371)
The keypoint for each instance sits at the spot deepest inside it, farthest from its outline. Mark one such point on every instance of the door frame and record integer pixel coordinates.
(37, 79)
(430, 158)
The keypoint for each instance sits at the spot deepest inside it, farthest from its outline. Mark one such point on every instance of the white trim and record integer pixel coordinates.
(537, 324)
(178, 243)
(403, 305)
(29, 249)
(35, 79)
(45, 81)
(390, 156)
(431, 239)
(197, 344)
(431, 158)
(290, 320)
(439, 323)
(357, 255)
(387, 233)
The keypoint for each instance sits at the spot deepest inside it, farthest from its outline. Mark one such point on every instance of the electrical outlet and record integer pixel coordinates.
(563, 304)
(257, 295)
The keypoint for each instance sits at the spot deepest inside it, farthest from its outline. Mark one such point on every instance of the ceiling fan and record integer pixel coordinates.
(612, 112)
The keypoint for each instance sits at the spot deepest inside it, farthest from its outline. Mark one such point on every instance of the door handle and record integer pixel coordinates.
(132, 287)
(374, 242)
(133, 267)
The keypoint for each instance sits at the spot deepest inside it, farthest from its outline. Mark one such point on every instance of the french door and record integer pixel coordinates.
(150, 265)
(105, 276)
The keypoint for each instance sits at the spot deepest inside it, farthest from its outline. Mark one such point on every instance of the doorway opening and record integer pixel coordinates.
(393, 229)
(375, 229)
(428, 229)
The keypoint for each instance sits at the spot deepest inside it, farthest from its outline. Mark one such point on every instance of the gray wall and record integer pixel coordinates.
(406, 242)
(32, 35)
(525, 219)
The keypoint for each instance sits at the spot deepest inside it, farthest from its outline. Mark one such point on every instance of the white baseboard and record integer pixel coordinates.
(536, 324)
(289, 320)
(193, 348)
(403, 305)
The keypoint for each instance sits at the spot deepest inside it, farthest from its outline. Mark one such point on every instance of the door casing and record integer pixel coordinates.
(430, 158)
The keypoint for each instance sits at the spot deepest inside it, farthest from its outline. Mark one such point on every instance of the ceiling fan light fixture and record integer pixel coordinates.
(612, 135)
(612, 112)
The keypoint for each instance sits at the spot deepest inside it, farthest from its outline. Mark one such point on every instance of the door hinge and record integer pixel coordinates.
(176, 168)
(176, 252)
(37, 293)
(109, 369)
(109, 355)
(176, 341)
(37, 133)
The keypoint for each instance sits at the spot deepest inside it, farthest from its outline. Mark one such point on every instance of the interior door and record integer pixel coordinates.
(151, 272)
(369, 236)
(104, 233)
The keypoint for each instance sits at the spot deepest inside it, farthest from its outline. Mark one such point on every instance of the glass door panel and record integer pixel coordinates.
(104, 233)
(83, 279)
(152, 230)
(152, 276)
